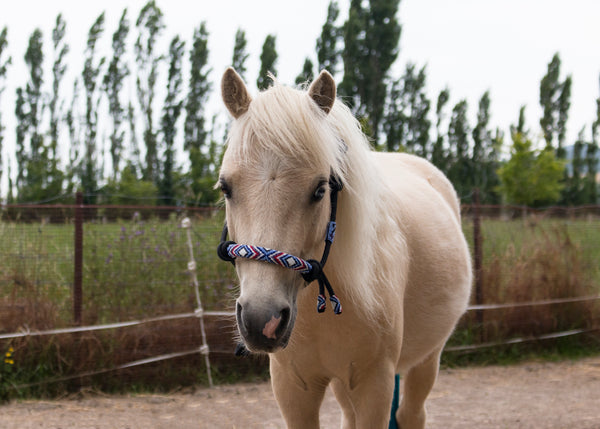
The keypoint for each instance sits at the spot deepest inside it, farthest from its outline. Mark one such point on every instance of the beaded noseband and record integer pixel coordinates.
(310, 269)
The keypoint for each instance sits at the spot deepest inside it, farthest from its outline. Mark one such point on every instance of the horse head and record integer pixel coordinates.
(275, 179)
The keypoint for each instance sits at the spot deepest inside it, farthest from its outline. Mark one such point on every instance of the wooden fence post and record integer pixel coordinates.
(78, 250)
(478, 257)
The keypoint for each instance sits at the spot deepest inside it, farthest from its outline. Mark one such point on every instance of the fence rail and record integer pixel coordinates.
(136, 260)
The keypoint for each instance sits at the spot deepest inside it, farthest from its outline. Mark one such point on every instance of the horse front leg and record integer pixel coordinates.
(371, 391)
(299, 398)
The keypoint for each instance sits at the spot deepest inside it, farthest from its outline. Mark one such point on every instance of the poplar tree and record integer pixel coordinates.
(328, 51)
(33, 158)
(195, 134)
(61, 49)
(460, 172)
(74, 128)
(172, 108)
(307, 74)
(406, 122)
(439, 154)
(4, 62)
(113, 81)
(371, 35)
(268, 62)
(555, 100)
(240, 54)
(150, 25)
(485, 157)
(90, 76)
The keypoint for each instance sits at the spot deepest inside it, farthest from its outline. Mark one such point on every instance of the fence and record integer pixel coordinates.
(89, 291)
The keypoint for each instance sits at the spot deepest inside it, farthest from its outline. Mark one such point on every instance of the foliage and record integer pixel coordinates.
(172, 109)
(555, 96)
(307, 74)
(113, 80)
(240, 55)
(89, 172)
(406, 123)
(150, 26)
(3, 67)
(268, 62)
(195, 138)
(530, 177)
(328, 52)
(6, 373)
(371, 35)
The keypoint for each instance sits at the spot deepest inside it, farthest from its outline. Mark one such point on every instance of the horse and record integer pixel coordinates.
(297, 171)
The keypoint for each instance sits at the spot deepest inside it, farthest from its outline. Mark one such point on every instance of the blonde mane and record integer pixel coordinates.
(287, 123)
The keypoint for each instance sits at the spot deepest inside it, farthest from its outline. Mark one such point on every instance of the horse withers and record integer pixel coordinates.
(296, 171)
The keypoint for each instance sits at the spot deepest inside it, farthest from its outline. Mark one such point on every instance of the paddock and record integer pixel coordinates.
(529, 395)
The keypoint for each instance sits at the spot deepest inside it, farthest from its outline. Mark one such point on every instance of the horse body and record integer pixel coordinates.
(400, 263)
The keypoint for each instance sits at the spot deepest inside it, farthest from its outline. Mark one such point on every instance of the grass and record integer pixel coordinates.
(136, 267)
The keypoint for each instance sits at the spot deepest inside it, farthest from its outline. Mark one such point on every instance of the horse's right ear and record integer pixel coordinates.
(235, 94)
(322, 91)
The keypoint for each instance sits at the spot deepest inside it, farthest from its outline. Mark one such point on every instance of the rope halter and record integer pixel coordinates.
(310, 269)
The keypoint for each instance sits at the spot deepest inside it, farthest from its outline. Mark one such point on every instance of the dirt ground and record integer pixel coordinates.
(531, 395)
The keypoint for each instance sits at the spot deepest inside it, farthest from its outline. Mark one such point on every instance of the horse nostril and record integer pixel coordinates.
(274, 327)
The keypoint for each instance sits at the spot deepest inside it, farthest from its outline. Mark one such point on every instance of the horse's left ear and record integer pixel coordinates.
(322, 91)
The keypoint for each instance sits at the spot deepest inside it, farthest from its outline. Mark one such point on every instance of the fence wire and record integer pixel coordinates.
(141, 298)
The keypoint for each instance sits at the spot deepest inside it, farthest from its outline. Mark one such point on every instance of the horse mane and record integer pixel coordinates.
(288, 123)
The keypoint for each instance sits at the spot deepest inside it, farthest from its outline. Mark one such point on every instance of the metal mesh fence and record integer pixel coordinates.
(127, 311)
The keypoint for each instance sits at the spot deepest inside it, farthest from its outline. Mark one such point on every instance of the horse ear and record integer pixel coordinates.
(235, 94)
(322, 91)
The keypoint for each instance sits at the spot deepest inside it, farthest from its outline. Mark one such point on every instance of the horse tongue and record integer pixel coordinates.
(271, 327)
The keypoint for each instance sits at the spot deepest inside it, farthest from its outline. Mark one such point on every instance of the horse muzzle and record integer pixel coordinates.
(264, 329)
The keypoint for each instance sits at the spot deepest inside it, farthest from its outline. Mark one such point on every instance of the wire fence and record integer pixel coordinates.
(89, 291)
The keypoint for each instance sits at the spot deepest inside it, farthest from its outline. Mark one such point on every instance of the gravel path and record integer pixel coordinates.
(530, 395)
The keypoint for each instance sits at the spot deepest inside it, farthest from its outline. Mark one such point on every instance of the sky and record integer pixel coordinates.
(469, 46)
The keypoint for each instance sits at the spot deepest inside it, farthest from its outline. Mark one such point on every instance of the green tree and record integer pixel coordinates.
(555, 101)
(371, 35)
(407, 123)
(195, 134)
(89, 172)
(61, 49)
(591, 160)
(574, 191)
(530, 178)
(4, 62)
(307, 74)
(112, 82)
(171, 112)
(29, 109)
(150, 25)
(485, 153)
(268, 62)
(460, 172)
(439, 154)
(240, 54)
(74, 127)
(328, 51)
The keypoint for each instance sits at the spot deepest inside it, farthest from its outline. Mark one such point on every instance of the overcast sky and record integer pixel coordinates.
(469, 46)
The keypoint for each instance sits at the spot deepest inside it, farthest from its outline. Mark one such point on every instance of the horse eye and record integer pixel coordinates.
(319, 193)
(225, 189)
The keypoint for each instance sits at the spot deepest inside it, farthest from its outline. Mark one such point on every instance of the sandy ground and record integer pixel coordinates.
(531, 395)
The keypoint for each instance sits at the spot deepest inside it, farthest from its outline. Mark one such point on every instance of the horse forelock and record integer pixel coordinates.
(285, 123)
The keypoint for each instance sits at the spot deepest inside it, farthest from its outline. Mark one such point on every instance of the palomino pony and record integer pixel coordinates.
(297, 165)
